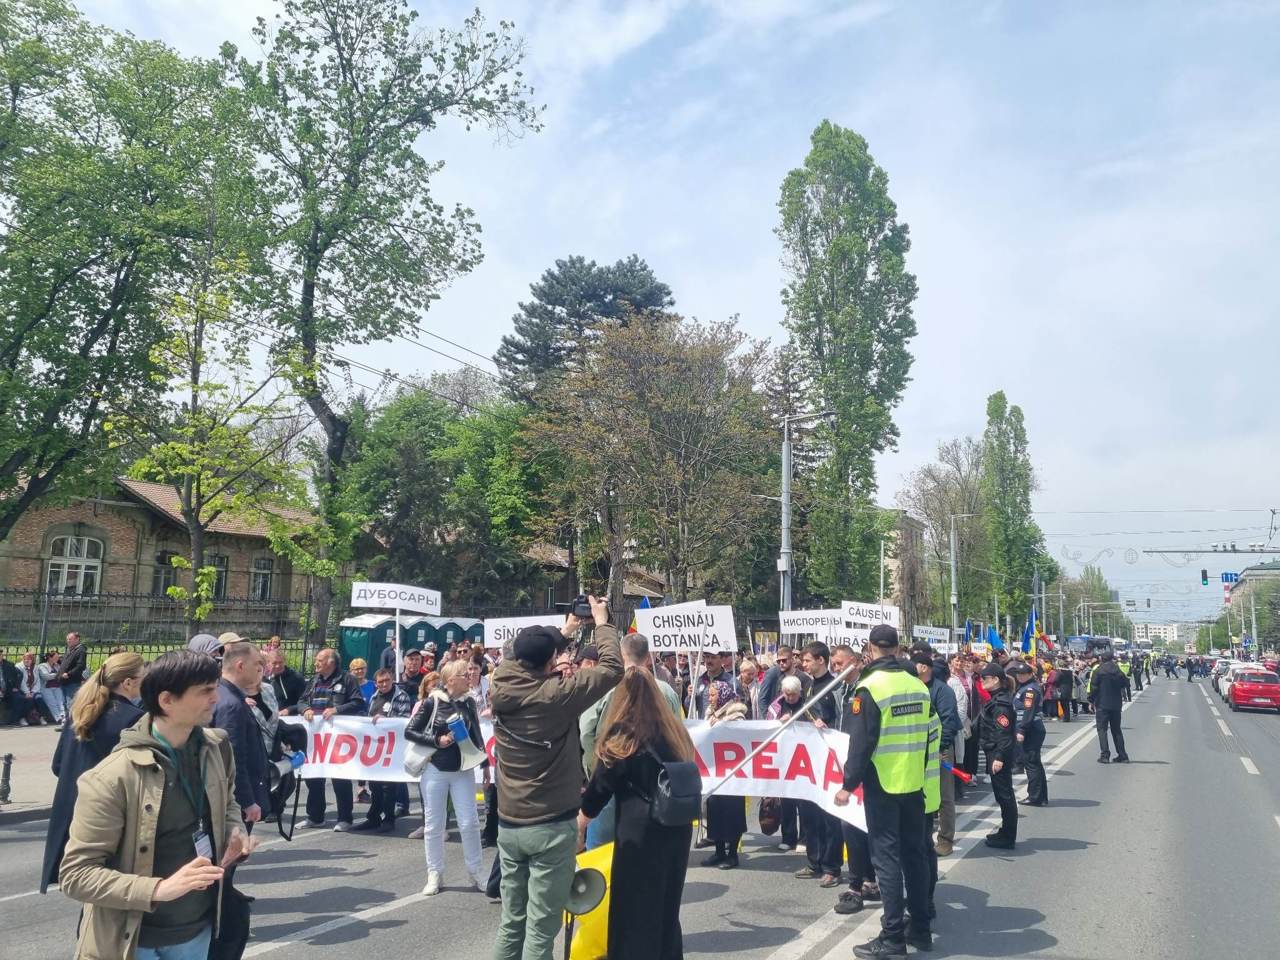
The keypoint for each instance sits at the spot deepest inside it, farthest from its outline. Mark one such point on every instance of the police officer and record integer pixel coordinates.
(998, 742)
(1030, 735)
(888, 747)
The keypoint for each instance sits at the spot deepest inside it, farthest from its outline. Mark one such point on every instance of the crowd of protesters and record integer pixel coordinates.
(611, 739)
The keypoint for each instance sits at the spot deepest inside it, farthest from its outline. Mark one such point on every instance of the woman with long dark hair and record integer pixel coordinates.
(649, 859)
(102, 709)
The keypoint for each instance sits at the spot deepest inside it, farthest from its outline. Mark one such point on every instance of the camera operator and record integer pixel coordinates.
(540, 776)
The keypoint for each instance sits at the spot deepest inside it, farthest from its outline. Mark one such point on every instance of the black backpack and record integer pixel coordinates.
(676, 800)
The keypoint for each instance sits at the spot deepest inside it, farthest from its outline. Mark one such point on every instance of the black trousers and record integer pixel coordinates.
(932, 853)
(1110, 719)
(1037, 782)
(895, 828)
(1002, 788)
(1137, 680)
(790, 821)
(490, 832)
(970, 765)
(382, 802)
(823, 838)
(316, 802)
(858, 849)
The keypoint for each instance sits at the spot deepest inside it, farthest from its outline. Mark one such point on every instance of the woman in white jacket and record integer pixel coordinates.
(962, 706)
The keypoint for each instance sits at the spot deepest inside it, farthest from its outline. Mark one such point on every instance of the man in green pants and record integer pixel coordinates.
(535, 720)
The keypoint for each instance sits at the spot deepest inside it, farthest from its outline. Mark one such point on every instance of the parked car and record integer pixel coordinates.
(1255, 689)
(1237, 668)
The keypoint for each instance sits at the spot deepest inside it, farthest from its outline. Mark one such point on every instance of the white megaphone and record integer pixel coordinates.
(585, 893)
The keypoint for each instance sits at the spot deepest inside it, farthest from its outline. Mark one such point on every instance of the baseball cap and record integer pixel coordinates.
(993, 670)
(207, 643)
(589, 652)
(922, 658)
(884, 636)
(536, 645)
(1019, 667)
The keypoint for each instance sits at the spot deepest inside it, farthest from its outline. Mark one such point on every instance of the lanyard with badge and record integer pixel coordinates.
(200, 837)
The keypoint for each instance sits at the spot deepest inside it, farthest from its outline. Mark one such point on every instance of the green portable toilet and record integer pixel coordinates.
(365, 636)
(455, 629)
(417, 633)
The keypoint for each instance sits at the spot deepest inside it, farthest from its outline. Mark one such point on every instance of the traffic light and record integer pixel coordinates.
(1148, 603)
(1204, 578)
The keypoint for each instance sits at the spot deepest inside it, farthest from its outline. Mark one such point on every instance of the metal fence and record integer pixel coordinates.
(34, 619)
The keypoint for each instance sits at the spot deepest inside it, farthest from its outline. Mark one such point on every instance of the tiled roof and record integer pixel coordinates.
(163, 499)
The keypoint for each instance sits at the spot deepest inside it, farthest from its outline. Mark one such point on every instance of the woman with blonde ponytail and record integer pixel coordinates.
(103, 708)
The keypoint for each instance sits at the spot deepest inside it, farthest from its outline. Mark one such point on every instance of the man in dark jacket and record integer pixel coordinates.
(286, 683)
(535, 719)
(823, 837)
(787, 664)
(331, 692)
(1106, 692)
(943, 700)
(72, 673)
(241, 670)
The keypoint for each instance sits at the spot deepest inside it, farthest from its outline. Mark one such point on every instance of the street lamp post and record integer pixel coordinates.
(784, 550)
(955, 595)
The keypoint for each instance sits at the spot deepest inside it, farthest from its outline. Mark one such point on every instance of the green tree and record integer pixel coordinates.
(848, 303)
(572, 302)
(103, 145)
(1008, 480)
(341, 104)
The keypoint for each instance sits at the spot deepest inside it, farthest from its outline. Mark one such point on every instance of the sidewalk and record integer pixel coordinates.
(31, 782)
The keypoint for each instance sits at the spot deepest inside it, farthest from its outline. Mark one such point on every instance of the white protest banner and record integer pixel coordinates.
(805, 763)
(395, 596)
(501, 629)
(871, 614)
(935, 635)
(356, 748)
(823, 623)
(688, 628)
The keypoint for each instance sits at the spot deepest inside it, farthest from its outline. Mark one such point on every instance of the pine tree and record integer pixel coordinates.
(570, 302)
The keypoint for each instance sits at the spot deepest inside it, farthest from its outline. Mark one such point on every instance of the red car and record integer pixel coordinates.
(1255, 689)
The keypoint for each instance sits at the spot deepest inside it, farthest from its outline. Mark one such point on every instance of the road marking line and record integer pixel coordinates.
(1226, 731)
(1278, 819)
(258, 949)
(1214, 711)
(1249, 766)
(19, 896)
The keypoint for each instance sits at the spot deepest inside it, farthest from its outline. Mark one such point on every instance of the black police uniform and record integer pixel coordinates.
(998, 742)
(1031, 729)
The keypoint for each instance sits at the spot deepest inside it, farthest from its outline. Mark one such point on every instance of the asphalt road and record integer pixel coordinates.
(1172, 856)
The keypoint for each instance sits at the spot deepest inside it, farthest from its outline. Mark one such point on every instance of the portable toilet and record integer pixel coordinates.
(365, 636)
(417, 633)
(454, 629)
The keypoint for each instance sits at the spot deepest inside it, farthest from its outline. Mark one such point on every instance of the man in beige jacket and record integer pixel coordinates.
(156, 824)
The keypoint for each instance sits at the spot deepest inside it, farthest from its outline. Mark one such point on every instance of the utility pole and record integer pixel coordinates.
(1253, 624)
(955, 594)
(881, 594)
(1062, 600)
(784, 550)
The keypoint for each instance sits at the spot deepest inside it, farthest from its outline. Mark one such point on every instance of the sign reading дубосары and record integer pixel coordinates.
(395, 596)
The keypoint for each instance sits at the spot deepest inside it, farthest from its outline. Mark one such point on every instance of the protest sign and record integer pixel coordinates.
(501, 629)
(805, 763)
(688, 628)
(820, 622)
(871, 614)
(395, 596)
(935, 635)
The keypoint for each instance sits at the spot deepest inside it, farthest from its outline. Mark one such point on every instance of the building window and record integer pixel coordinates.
(260, 578)
(165, 575)
(75, 566)
(219, 562)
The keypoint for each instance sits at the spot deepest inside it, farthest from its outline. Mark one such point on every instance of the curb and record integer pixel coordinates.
(24, 816)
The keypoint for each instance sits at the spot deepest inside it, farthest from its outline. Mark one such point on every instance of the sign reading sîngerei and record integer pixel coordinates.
(871, 614)
(689, 627)
(501, 629)
(395, 596)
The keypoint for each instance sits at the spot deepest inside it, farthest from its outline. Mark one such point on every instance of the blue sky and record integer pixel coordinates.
(1091, 189)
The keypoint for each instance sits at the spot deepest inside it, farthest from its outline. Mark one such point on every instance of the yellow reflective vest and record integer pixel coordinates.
(903, 701)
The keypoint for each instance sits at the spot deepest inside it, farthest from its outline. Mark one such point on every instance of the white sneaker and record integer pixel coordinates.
(433, 884)
(305, 824)
(418, 834)
(341, 826)
(482, 883)
(23, 723)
